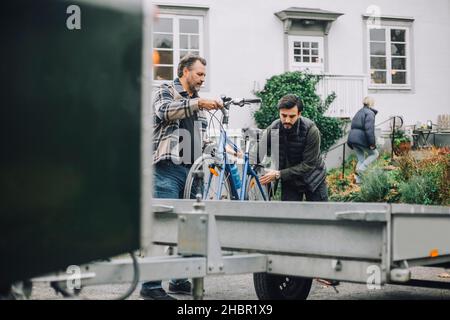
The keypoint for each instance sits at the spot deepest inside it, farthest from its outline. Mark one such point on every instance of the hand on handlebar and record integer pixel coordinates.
(209, 104)
(238, 102)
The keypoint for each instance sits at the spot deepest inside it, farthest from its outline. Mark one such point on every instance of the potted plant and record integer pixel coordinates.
(402, 143)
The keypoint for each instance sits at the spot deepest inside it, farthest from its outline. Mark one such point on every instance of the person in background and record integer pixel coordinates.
(362, 137)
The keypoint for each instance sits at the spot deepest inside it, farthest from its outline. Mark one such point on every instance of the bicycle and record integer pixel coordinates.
(211, 175)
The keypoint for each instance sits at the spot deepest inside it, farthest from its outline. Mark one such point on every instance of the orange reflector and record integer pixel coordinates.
(214, 172)
(252, 184)
(434, 253)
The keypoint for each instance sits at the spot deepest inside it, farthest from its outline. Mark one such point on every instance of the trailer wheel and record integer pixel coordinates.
(281, 287)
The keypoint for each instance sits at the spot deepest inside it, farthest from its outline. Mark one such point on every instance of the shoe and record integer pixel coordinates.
(155, 294)
(180, 288)
(330, 283)
(334, 283)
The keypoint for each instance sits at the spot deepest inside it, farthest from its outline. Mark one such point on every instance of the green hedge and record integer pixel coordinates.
(302, 84)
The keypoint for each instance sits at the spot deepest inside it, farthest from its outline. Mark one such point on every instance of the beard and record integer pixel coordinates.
(290, 129)
(195, 87)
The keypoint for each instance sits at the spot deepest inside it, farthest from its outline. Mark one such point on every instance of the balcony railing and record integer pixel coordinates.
(350, 92)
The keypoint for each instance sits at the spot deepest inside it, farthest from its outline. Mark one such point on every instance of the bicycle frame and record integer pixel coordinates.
(247, 171)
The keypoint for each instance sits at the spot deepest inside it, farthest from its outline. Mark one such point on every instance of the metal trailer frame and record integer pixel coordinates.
(373, 244)
(350, 242)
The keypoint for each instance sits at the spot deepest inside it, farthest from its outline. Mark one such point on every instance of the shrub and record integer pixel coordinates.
(426, 181)
(350, 195)
(418, 190)
(407, 166)
(375, 186)
(303, 85)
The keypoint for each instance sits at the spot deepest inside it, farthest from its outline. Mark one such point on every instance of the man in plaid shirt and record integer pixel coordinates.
(179, 133)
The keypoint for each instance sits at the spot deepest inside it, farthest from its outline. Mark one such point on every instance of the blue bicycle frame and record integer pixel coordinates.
(247, 171)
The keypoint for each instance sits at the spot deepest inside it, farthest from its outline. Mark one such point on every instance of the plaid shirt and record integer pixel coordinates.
(171, 104)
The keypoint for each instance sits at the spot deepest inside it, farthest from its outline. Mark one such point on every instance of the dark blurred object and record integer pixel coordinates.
(70, 135)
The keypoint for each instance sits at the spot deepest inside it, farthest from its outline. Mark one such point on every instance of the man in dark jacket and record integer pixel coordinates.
(362, 137)
(293, 143)
(301, 168)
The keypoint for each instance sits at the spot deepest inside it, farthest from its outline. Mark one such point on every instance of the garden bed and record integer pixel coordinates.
(420, 177)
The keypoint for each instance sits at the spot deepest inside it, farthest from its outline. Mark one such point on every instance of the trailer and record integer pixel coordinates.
(285, 245)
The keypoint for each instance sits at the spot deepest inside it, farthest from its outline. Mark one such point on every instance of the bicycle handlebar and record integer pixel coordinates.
(227, 101)
(246, 101)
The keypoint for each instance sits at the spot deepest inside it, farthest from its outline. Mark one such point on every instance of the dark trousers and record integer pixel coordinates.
(289, 192)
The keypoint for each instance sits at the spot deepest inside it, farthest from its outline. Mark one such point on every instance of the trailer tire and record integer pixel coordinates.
(281, 287)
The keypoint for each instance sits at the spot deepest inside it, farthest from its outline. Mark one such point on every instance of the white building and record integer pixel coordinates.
(397, 51)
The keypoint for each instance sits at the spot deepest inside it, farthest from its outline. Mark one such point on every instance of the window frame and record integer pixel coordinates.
(388, 42)
(315, 67)
(176, 40)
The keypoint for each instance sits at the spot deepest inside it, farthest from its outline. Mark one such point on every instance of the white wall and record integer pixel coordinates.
(246, 44)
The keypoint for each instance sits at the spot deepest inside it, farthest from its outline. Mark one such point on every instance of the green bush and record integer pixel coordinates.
(418, 190)
(436, 171)
(303, 85)
(407, 166)
(345, 197)
(375, 186)
(426, 181)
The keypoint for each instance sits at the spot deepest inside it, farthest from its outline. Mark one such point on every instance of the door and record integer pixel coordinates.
(306, 53)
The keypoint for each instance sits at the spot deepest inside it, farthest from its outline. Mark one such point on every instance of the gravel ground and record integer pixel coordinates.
(241, 288)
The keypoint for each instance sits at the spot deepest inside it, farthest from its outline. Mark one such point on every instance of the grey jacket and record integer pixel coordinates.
(362, 132)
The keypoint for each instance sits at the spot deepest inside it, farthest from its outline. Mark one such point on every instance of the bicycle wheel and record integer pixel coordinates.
(211, 168)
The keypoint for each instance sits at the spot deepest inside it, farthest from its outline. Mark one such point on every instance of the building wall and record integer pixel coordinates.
(246, 46)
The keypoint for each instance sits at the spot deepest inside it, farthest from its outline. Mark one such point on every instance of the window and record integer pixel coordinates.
(175, 36)
(306, 53)
(389, 57)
